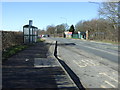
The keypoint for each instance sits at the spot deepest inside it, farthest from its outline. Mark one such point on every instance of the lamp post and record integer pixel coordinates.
(96, 4)
(56, 31)
(65, 20)
(98, 15)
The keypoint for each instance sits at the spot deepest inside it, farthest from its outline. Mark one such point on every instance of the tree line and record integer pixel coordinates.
(103, 28)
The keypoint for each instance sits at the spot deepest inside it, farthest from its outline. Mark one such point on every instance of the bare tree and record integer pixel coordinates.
(60, 28)
(50, 29)
(109, 10)
(41, 32)
(79, 26)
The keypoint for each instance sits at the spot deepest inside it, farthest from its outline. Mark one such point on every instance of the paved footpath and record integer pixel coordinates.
(35, 68)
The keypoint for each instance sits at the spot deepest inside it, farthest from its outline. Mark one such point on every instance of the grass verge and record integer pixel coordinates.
(103, 41)
(106, 41)
(12, 50)
(40, 40)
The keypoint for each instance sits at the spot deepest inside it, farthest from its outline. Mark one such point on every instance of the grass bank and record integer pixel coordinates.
(103, 41)
(15, 49)
(12, 50)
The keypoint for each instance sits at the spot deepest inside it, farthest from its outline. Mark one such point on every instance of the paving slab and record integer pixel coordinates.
(35, 68)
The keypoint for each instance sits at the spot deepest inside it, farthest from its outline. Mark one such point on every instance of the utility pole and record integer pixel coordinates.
(56, 31)
(98, 16)
(65, 21)
(98, 5)
(65, 24)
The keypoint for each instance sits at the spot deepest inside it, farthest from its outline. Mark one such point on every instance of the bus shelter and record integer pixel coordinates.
(30, 34)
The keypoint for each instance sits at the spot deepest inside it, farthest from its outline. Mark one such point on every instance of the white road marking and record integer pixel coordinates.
(79, 64)
(100, 50)
(85, 63)
(91, 61)
(110, 84)
(102, 86)
(109, 77)
(114, 73)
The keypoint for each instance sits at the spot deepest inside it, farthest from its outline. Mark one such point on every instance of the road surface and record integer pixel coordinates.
(96, 64)
(104, 50)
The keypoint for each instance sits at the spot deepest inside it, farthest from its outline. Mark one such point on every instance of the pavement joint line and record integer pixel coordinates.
(110, 84)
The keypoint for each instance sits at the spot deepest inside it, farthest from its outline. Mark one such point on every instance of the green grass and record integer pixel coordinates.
(40, 40)
(106, 41)
(13, 50)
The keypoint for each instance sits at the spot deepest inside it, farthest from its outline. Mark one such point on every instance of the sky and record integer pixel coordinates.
(17, 14)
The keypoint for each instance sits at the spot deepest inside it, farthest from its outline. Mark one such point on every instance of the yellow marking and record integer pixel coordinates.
(110, 84)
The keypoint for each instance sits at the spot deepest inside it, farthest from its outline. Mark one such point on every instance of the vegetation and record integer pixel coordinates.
(12, 50)
(103, 28)
(40, 40)
(72, 29)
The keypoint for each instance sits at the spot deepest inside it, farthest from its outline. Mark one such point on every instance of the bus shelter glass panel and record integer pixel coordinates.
(31, 33)
(26, 31)
(26, 34)
(31, 40)
(26, 39)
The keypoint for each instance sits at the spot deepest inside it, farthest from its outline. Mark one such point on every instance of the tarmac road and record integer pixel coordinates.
(96, 64)
(104, 50)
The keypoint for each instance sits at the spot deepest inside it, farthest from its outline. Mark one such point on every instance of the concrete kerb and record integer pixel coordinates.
(51, 54)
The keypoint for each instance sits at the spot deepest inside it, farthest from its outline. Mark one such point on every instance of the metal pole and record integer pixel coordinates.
(65, 20)
(98, 5)
(98, 15)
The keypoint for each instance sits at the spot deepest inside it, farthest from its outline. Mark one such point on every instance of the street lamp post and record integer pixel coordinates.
(98, 15)
(65, 25)
(65, 20)
(96, 4)
(56, 31)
